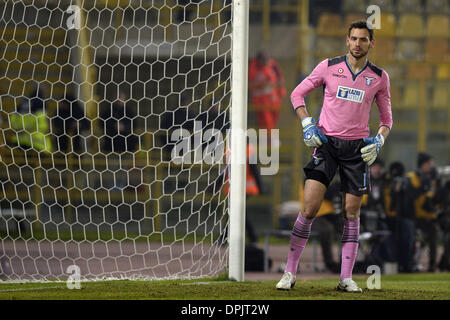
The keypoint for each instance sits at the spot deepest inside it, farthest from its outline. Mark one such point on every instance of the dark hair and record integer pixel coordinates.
(396, 169)
(379, 162)
(361, 24)
(422, 158)
(262, 56)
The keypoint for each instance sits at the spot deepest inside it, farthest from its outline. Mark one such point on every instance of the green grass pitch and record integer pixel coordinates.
(403, 287)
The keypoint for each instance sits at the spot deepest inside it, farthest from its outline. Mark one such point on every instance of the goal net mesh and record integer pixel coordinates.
(91, 96)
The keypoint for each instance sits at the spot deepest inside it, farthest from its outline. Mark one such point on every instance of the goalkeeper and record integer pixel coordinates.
(341, 142)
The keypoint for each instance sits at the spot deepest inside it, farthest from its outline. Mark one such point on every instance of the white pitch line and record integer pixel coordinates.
(31, 289)
(209, 282)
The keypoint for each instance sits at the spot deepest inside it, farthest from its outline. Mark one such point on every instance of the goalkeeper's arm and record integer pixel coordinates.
(373, 145)
(384, 131)
(302, 112)
(312, 136)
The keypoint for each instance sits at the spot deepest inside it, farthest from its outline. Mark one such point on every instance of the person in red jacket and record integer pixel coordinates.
(280, 89)
(253, 186)
(267, 90)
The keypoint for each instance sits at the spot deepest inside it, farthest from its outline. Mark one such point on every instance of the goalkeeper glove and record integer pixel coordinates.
(312, 136)
(372, 149)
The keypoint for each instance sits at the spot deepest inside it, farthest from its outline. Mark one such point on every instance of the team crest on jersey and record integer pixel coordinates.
(369, 80)
(350, 94)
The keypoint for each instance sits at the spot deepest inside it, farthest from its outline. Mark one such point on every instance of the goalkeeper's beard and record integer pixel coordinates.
(361, 55)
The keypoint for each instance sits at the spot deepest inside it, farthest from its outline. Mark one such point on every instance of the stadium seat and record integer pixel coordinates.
(440, 97)
(320, 56)
(395, 71)
(437, 6)
(443, 71)
(436, 50)
(395, 97)
(353, 6)
(437, 26)
(385, 5)
(409, 6)
(410, 25)
(330, 24)
(352, 17)
(418, 71)
(330, 46)
(387, 26)
(410, 97)
(409, 50)
(383, 50)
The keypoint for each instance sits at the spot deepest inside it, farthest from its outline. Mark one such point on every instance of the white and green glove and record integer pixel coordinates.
(372, 149)
(312, 135)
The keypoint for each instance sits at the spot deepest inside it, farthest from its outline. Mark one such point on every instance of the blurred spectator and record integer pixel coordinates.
(253, 186)
(267, 90)
(186, 10)
(31, 127)
(117, 122)
(394, 180)
(280, 89)
(68, 125)
(399, 190)
(444, 223)
(420, 199)
(182, 118)
(328, 224)
(31, 123)
(217, 118)
(393, 184)
(189, 117)
(373, 217)
(226, 12)
(373, 206)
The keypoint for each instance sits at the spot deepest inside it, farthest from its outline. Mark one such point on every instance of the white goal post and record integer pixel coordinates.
(99, 101)
(238, 139)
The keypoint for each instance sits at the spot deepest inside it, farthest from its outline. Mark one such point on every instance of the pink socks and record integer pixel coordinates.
(299, 238)
(349, 241)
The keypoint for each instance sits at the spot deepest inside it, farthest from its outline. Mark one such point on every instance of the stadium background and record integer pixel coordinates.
(412, 46)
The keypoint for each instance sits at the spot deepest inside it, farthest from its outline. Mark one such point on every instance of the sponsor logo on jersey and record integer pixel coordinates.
(339, 75)
(340, 70)
(350, 94)
(368, 80)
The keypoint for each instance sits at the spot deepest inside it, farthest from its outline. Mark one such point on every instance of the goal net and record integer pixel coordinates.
(105, 106)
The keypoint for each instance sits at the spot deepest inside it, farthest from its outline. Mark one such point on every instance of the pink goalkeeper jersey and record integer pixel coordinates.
(348, 97)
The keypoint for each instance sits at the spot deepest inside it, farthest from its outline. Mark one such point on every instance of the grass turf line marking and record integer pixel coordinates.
(208, 282)
(31, 289)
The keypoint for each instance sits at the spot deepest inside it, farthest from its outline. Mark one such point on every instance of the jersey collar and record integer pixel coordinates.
(354, 75)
